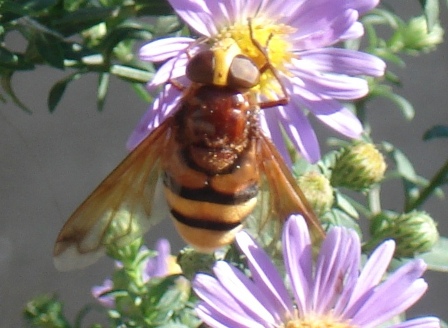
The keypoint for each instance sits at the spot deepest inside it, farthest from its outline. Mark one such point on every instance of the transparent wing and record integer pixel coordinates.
(118, 210)
(280, 196)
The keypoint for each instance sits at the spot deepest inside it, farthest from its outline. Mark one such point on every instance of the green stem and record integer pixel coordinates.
(374, 200)
(438, 179)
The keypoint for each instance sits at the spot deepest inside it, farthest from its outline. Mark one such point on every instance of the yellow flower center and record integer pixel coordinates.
(318, 322)
(266, 44)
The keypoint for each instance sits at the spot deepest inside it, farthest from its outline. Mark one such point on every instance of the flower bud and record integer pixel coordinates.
(192, 261)
(317, 190)
(414, 232)
(358, 167)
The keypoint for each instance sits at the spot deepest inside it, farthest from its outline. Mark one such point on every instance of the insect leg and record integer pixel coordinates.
(268, 66)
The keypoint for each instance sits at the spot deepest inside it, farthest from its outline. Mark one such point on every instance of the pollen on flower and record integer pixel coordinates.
(173, 266)
(318, 322)
(273, 38)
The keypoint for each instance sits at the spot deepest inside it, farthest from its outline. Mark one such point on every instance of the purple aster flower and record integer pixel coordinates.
(299, 38)
(332, 292)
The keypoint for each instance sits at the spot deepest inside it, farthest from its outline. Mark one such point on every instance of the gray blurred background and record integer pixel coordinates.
(50, 162)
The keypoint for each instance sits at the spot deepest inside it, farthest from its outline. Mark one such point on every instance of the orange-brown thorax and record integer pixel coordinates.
(214, 126)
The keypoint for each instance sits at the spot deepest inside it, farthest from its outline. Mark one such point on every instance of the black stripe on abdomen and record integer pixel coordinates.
(208, 194)
(204, 224)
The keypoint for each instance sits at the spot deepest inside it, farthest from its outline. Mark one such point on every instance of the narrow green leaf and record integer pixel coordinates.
(83, 18)
(14, 61)
(103, 85)
(437, 131)
(56, 93)
(431, 10)
(131, 74)
(49, 47)
(123, 33)
(174, 325)
(37, 5)
(167, 25)
(337, 217)
(38, 28)
(154, 7)
(6, 82)
(385, 91)
(404, 105)
(58, 89)
(404, 165)
(383, 17)
(344, 204)
(437, 258)
(388, 55)
(141, 91)
(11, 7)
(7, 57)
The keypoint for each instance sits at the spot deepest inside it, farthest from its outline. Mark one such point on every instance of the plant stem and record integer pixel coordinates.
(438, 179)
(374, 200)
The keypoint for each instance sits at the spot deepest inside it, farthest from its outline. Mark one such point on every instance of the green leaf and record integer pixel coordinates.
(142, 92)
(166, 25)
(437, 258)
(6, 81)
(37, 28)
(383, 17)
(154, 7)
(404, 105)
(84, 18)
(381, 90)
(437, 131)
(9, 10)
(13, 60)
(37, 5)
(404, 166)
(345, 205)
(336, 217)
(49, 47)
(131, 74)
(12, 7)
(388, 55)
(431, 10)
(103, 85)
(58, 89)
(123, 33)
(174, 325)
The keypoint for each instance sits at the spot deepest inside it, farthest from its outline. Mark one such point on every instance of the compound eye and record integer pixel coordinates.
(243, 73)
(200, 68)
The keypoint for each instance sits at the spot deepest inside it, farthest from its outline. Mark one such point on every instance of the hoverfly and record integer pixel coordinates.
(210, 158)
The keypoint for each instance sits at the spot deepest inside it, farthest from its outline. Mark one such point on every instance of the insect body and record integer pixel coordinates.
(211, 177)
(212, 160)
